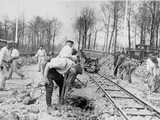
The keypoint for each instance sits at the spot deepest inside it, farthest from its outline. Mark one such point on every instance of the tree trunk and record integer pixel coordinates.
(115, 24)
(110, 42)
(83, 42)
(108, 26)
(135, 35)
(85, 39)
(157, 29)
(129, 31)
(95, 39)
(85, 34)
(89, 40)
(153, 26)
(54, 37)
(142, 29)
(79, 40)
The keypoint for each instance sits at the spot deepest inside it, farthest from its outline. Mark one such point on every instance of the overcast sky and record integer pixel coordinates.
(65, 10)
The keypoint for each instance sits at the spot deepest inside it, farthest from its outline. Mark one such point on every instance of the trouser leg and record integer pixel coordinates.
(2, 78)
(10, 72)
(49, 91)
(70, 76)
(39, 65)
(15, 69)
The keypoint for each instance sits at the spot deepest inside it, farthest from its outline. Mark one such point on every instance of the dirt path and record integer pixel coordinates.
(13, 107)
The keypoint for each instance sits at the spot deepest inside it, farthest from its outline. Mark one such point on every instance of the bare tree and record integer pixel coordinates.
(106, 21)
(83, 24)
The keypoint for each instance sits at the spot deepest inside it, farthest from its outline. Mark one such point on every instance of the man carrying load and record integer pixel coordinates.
(64, 71)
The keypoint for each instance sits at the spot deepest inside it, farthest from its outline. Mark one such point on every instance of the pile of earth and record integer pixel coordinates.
(19, 105)
(29, 104)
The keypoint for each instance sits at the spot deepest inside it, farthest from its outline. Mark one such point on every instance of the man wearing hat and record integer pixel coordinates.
(5, 63)
(67, 50)
(65, 65)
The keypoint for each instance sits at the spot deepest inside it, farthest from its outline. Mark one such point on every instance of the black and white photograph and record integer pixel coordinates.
(79, 59)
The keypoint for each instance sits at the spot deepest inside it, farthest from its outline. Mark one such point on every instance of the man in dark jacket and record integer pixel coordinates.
(119, 60)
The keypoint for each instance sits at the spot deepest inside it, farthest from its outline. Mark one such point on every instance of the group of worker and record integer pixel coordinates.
(152, 67)
(61, 70)
(9, 56)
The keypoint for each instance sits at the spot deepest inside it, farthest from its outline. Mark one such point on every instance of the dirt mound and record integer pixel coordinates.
(82, 102)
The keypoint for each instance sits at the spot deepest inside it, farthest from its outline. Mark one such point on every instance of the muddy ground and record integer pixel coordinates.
(14, 103)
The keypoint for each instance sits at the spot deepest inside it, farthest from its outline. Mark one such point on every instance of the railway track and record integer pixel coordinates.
(128, 106)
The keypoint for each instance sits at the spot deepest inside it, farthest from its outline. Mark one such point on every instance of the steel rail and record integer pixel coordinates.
(145, 103)
(109, 97)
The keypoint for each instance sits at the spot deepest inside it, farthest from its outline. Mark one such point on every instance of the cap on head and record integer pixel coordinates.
(10, 42)
(70, 41)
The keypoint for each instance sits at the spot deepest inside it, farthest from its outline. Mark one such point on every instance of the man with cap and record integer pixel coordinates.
(64, 65)
(5, 63)
(15, 63)
(66, 51)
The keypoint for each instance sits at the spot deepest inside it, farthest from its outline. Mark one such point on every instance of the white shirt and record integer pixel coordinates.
(5, 54)
(66, 51)
(15, 53)
(62, 65)
(41, 53)
(150, 65)
(158, 62)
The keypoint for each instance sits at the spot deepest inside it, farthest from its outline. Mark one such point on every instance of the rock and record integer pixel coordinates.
(25, 117)
(45, 116)
(33, 116)
(13, 116)
(22, 96)
(2, 114)
(27, 100)
(19, 99)
(14, 93)
(94, 117)
(69, 115)
(2, 100)
(11, 101)
(34, 109)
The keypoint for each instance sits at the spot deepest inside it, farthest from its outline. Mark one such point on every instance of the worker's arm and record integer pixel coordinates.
(73, 58)
(45, 53)
(37, 54)
(15, 55)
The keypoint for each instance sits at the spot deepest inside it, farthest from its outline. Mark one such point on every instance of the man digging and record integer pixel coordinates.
(63, 70)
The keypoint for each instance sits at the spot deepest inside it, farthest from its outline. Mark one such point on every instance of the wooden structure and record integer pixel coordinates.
(142, 51)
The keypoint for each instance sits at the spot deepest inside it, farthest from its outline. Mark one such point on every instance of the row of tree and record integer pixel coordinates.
(118, 20)
(31, 34)
(128, 20)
